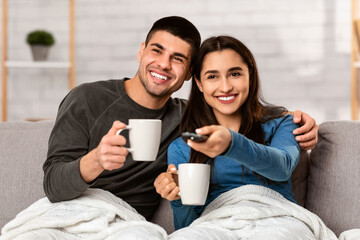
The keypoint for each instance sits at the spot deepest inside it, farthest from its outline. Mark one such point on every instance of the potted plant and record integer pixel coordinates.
(40, 42)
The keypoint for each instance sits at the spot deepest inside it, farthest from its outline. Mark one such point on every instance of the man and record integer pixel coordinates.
(84, 150)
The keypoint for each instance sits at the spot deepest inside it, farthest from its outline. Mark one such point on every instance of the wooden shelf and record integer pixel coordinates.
(5, 64)
(355, 59)
(20, 64)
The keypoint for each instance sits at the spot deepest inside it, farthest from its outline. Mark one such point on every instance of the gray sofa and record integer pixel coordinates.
(327, 180)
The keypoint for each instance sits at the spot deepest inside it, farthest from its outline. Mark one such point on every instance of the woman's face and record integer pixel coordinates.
(224, 81)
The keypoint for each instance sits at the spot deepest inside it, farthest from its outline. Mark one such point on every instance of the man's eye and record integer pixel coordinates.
(156, 50)
(178, 59)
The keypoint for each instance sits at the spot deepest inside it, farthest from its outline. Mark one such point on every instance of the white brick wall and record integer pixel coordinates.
(302, 47)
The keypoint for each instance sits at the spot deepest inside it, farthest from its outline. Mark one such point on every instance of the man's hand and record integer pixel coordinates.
(108, 155)
(166, 184)
(307, 134)
(218, 142)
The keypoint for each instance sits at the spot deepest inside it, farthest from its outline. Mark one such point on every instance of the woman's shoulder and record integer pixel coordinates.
(283, 125)
(285, 122)
(280, 120)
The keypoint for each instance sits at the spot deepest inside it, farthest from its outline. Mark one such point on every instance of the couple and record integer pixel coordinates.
(255, 141)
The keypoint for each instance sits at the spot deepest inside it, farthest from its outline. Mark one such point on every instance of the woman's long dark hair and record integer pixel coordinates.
(254, 110)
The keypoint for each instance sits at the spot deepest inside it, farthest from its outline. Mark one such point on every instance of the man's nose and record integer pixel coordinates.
(164, 62)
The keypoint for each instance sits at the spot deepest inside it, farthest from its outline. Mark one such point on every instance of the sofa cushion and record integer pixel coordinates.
(163, 216)
(334, 176)
(299, 178)
(23, 148)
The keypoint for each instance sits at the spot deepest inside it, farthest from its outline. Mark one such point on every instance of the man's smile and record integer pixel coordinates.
(159, 76)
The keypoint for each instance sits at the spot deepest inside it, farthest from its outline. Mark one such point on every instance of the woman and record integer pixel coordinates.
(249, 142)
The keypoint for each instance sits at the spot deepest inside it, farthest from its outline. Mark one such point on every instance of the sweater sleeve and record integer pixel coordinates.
(184, 215)
(275, 161)
(68, 142)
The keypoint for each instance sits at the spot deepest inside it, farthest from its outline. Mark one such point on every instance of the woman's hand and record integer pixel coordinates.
(166, 184)
(218, 142)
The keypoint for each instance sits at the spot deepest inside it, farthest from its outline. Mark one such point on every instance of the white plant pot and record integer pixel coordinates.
(39, 52)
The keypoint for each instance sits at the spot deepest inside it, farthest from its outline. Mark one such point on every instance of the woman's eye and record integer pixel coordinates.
(211, 77)
(235, 74)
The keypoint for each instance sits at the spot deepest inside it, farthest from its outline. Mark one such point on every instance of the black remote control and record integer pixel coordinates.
(194, 137)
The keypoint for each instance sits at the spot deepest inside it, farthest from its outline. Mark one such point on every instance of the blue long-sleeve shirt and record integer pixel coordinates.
(276, 160)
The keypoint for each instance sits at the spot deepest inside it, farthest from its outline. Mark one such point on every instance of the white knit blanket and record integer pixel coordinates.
(255, 212)
(97, 214)
(238, 214)
(352, 234)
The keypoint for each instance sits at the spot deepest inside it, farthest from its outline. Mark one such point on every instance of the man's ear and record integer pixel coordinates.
(198, 83)
(188, 76)
(141, 51)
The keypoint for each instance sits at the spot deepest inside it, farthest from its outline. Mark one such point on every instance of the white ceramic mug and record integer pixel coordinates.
(194, 180)
(144, 138)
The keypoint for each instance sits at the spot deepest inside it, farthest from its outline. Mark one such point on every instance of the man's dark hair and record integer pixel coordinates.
(179, 27)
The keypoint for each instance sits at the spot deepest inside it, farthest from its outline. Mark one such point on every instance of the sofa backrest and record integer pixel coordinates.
(334, 176)
(23, 149)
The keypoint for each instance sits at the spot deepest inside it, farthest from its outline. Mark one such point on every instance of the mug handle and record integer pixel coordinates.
(118, 133)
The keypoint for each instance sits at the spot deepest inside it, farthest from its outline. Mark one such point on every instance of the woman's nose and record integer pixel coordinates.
(225, 85)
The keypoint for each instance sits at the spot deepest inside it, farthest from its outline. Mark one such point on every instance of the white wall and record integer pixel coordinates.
(302, 47)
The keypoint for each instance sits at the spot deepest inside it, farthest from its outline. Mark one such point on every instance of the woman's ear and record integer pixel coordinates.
(142, 48)
(198, 83)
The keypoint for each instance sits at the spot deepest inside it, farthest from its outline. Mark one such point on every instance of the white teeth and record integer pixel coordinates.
(226, 98)
(158, 76)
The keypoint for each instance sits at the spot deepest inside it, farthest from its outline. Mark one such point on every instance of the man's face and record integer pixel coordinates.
(164, 64)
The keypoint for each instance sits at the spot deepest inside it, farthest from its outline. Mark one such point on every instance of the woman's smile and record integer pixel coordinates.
(227, 99)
